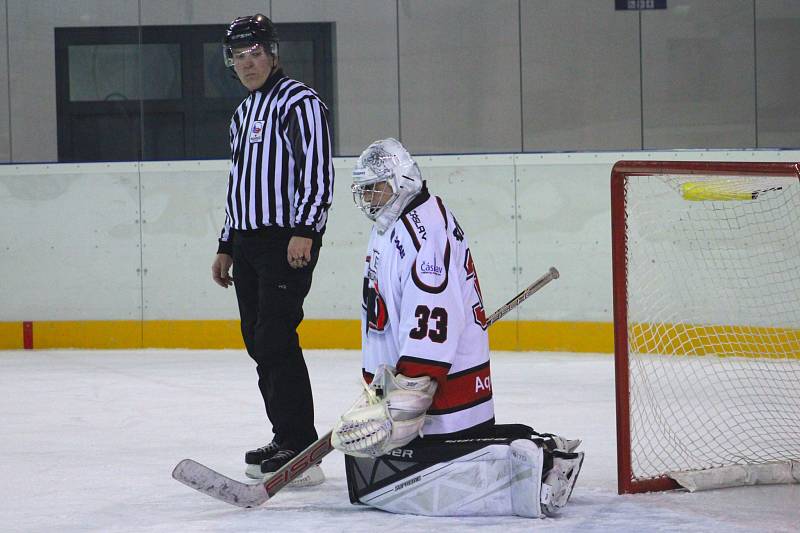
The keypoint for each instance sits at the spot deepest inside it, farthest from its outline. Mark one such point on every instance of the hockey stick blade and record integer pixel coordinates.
(210, 482)
(203, 479)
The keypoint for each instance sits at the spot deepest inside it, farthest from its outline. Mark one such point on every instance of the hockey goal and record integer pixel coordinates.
(706, 268)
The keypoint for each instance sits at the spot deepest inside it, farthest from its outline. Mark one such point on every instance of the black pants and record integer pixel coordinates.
(270, 295)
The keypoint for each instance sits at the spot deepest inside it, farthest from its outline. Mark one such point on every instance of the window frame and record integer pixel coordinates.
(193, 105)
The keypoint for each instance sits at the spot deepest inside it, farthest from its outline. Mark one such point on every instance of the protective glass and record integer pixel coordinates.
(232, 56)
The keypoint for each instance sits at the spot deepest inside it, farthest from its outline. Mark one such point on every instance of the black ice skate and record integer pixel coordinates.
(254, 458)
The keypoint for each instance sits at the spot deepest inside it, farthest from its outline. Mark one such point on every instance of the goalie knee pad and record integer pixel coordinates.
(458, 477)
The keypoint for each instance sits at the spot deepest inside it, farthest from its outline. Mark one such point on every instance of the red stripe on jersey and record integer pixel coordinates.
(463, 390)
(414, 367)
(441, 208)
(411, 232)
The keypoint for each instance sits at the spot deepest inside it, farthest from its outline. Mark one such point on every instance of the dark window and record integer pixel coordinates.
(162, 92)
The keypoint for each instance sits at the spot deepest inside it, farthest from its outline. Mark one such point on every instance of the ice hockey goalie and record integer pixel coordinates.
(422, 437)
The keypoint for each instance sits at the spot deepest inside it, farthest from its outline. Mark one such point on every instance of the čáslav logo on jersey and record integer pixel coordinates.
(414, 216)
(431, 269)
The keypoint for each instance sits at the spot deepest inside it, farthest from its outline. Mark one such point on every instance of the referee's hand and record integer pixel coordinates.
(220, 270)
(298, 253)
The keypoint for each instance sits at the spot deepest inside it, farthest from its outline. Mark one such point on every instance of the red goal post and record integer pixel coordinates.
(693, 331)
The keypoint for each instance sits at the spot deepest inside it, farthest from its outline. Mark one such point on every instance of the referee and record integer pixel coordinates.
(279, 191)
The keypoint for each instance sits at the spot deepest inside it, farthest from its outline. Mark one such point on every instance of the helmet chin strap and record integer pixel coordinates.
(274, 65)
(268, 47)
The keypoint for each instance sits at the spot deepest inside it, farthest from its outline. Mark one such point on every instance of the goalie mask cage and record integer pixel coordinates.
(706, 270)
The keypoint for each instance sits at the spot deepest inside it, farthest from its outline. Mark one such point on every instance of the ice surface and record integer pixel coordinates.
(89, 439)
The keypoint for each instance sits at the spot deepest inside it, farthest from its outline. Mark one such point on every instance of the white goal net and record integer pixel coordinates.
(711, 311)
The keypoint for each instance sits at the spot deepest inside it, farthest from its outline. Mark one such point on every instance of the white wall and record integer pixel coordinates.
(70, 242)
(458, 76)
(113, 241)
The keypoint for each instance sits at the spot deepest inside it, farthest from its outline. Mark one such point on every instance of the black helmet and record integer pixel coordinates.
(251, 30)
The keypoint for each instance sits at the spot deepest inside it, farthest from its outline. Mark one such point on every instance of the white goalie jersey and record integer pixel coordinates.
(422, 312)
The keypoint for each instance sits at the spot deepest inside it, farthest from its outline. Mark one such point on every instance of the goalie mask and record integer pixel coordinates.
(385, 180)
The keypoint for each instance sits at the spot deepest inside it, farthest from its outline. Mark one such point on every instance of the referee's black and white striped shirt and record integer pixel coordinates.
(281, 161)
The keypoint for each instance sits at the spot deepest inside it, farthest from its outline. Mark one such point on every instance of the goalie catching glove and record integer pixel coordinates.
(390, 413)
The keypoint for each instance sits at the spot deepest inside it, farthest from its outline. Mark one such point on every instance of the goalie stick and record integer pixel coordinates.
(210, 482)
(551, 274)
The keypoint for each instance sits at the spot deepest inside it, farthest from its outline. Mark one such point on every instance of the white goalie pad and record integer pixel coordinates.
(495, 480)
(525, 461)
(509, 470)
(389, 414)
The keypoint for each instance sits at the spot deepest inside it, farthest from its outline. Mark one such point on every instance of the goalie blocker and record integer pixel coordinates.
(510, 471)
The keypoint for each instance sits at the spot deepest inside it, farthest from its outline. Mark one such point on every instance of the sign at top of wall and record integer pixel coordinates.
(637, 5)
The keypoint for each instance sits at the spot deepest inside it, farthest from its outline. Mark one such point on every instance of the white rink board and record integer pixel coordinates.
(74, 246)
(70, 242)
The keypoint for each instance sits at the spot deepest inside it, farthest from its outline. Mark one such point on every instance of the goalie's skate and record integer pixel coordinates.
(557, 442)
(559, 481)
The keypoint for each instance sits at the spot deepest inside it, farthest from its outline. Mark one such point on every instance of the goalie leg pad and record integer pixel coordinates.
(475, 484)
(526, 459)
(460, 477)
